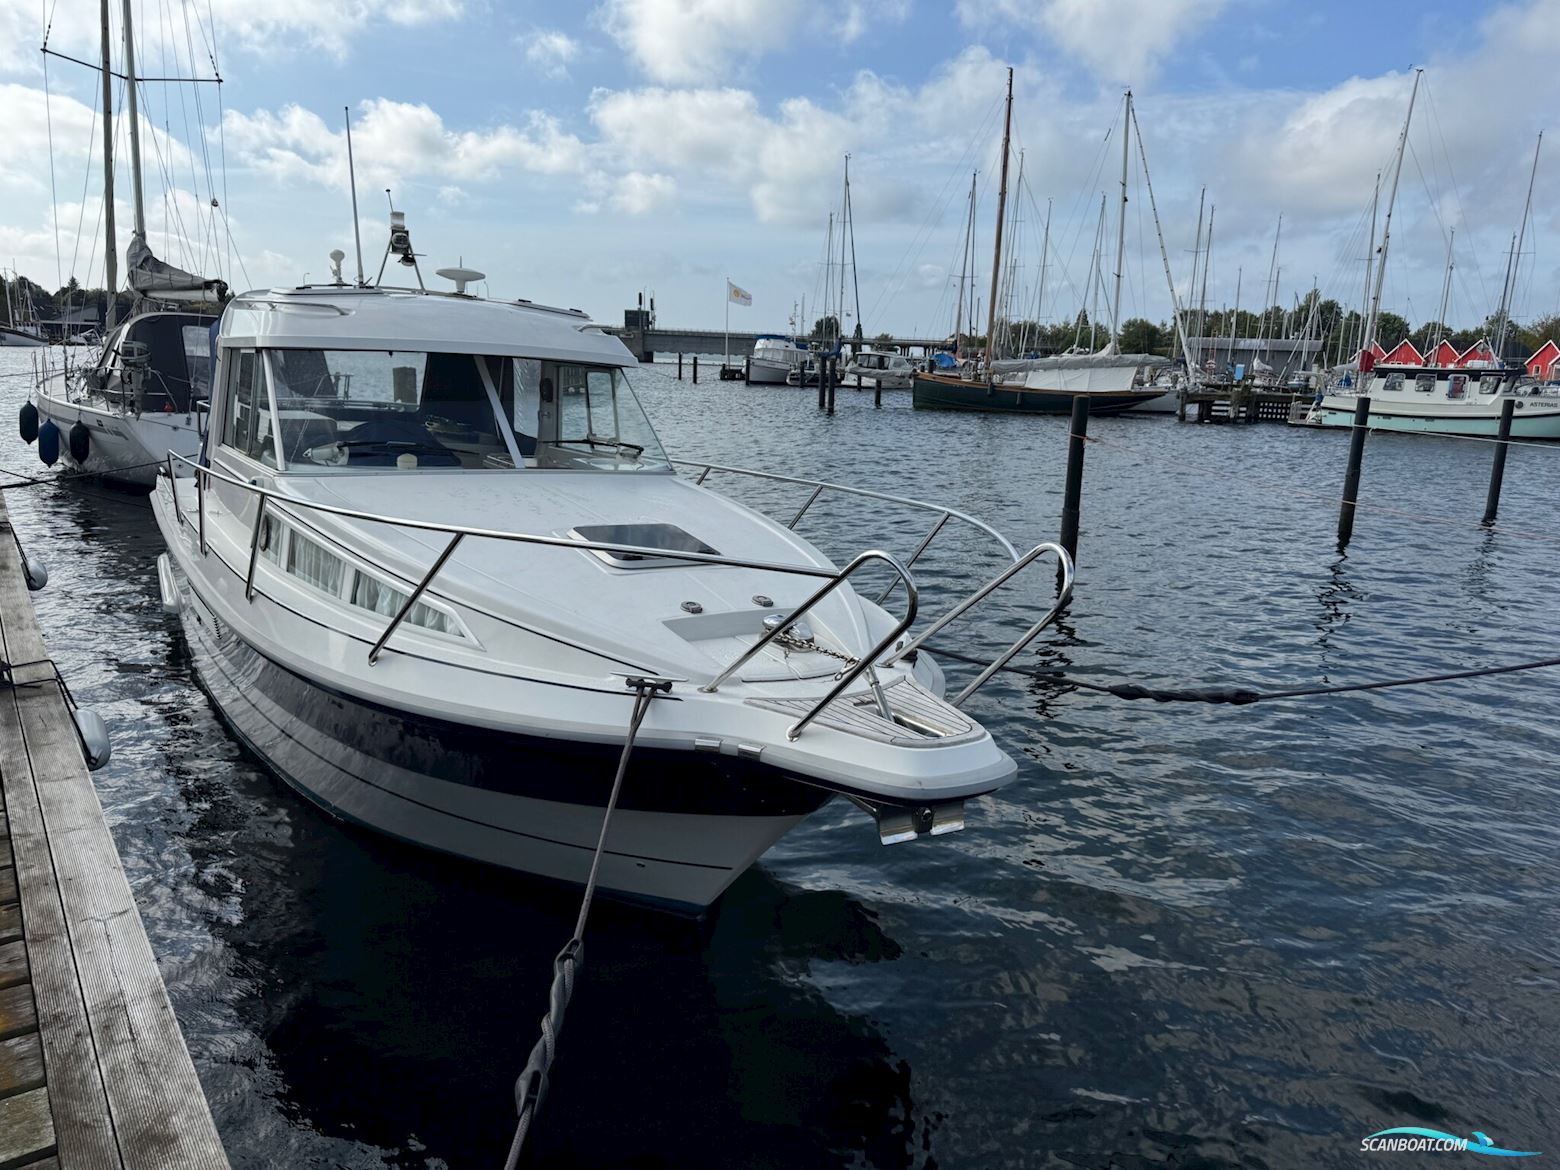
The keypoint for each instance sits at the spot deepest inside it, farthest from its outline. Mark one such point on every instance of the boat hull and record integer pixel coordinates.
(932, 392)
(762, 373)
(1532, 419)
(687, 824)
(123, 448)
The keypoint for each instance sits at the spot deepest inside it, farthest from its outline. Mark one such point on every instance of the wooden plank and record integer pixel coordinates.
(21, 1064)
(26, 1129)
(10, 923)
(13, 963)
(86, 1133)
(160, 1117)
(17, 1014)
(7, 884)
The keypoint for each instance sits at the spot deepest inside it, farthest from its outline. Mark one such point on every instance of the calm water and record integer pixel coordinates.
(1184, 936)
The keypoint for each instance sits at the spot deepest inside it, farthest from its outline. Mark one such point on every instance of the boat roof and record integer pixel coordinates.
(344, 317)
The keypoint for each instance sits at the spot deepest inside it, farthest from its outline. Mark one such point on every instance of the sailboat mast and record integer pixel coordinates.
(1235, 315)
(964, 267)
(828, 278)
(1164, 253)
(132, 110)
(1121, 227)
(1202, 296)
(844, 218)
(1446, 294)
(1270, 289)
(1510, 292)
(1197, 242)
(1370, 257)
(855, 279)
(1386, 227)
(996, 247)
(110, 245)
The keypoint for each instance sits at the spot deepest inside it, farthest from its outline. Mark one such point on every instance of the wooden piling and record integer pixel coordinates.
(747, 371)
(1351, 478)
(93, 1069)
(695, 367)
(821, 368)
(1072, 492)
(679, 367)
(877, 394)
(1498, 467)
(833, 366)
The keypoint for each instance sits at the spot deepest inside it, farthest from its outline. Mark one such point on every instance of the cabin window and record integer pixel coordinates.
(1489, 383)
(1424, 383)
(372, 594)
(1393, 382)
(1457, 386)
(589, 418)
(310, 562)
(246, 424)
(197, 358)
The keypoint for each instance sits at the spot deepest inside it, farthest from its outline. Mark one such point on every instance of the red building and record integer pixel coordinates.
(1403, 354)
(1444, 354)
(1545, 363)
(1479, 351)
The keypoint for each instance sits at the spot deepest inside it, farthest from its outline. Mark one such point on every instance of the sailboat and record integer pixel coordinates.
(1112, 380)
(1465, 395)
(21, 328)
(146, 393)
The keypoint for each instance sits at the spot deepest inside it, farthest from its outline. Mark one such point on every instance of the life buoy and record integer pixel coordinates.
(27, 422)
(49, 442)
(80, 442)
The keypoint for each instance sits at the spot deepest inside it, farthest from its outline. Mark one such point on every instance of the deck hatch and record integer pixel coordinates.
(664, 536)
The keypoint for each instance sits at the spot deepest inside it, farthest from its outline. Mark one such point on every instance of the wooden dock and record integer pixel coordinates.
(94, 1073)
(1227, 403)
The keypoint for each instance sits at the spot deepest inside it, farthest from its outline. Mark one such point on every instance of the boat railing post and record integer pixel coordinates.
(254, 548)
(916, 555)
(200, 506)
(415, 597)
(1351, 478)
(1498, 467)
(797, 519)
(1072, 502)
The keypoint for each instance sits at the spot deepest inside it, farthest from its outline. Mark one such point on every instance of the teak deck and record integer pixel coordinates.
(94, 1073)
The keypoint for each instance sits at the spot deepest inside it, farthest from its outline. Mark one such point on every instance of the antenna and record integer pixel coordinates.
(357, 233)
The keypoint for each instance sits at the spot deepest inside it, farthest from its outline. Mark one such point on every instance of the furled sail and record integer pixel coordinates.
(159, 280)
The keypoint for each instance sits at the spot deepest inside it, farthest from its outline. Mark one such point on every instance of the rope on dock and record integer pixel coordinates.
(531, 1085)
(1242, 696)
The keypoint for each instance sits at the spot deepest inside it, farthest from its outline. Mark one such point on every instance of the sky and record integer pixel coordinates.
(582, 154)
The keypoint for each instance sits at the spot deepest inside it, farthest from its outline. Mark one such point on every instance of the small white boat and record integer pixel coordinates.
(892, 371)
(25, 338)
(774, 357)
(434, 546)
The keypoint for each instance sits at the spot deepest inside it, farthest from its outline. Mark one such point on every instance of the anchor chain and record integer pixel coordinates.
(789, 641)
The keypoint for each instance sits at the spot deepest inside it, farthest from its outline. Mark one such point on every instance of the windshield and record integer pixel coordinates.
(410, 410)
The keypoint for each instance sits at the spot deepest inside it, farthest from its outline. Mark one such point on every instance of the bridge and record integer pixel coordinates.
(646, 341)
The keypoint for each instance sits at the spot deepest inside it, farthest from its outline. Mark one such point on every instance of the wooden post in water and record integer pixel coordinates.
(1351, 478)
(679, 367)
(1498, 468)
(821, 368)
(747, 370)
(877, 394)
(833, 367)
(695, 367)
(1072, 493)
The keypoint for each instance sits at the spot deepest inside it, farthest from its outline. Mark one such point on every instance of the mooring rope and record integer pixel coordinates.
(531, 1085)
(1241, 696)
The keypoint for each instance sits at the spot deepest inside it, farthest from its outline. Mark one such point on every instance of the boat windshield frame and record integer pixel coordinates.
(293, 410)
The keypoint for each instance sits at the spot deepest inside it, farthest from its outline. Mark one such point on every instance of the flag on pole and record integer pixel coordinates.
(738, 296)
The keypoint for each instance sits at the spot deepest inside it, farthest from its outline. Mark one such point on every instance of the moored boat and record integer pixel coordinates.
(433, 549)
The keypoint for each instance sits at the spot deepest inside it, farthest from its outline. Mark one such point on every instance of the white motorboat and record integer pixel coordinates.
(432, 550)
(892, 371)
(1443, 401)
(774, 357)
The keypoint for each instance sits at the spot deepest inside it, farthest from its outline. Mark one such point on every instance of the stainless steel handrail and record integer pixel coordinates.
(823, 485)
(1065, 563)
(857, 668)
(459, 532)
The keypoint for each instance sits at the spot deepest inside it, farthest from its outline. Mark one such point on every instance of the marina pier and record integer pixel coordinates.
(94, 1071)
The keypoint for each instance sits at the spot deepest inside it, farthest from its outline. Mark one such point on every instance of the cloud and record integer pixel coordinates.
(683, 42)
(397, 142)
(1118, 40)
(639, 194)
(330, 25)
(726, 137)
(550, 51)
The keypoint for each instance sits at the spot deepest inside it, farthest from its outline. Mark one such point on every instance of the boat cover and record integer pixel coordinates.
(161, 281)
